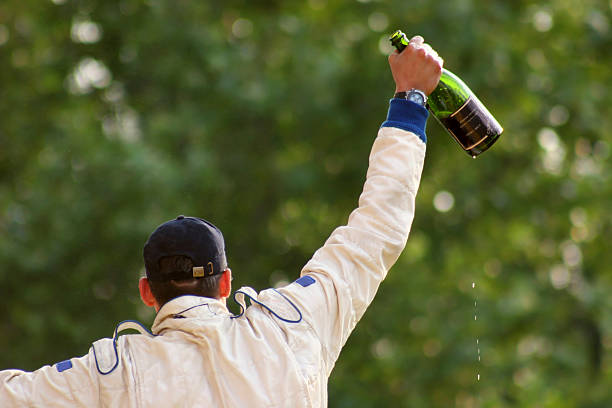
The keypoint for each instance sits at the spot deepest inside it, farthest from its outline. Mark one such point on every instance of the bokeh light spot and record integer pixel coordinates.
(443, 201)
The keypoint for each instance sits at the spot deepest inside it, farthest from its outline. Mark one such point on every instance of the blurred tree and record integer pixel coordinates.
(118, 115)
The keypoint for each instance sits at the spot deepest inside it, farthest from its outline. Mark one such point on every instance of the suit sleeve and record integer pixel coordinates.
(340, 281)
(70, 383)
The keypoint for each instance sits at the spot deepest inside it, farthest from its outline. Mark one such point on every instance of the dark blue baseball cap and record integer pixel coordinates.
(192, 237)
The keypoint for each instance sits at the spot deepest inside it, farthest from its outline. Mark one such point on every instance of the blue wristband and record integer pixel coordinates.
(407, 115)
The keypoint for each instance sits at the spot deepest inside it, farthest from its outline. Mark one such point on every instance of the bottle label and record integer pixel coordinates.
(472, 124)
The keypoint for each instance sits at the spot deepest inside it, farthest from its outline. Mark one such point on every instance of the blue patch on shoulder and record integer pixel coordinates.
(63, 365)
(305, 280)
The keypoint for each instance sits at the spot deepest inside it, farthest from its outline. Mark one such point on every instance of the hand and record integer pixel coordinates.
(418, 66)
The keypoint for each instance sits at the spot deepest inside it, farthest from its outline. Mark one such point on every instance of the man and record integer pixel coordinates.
(280, 351)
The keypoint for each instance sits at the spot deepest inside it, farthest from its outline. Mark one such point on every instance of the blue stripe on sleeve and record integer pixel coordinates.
(63, 366)
(305, 280)
(407, 115)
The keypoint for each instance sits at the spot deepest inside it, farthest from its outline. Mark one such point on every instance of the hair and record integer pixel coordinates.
(168, 290)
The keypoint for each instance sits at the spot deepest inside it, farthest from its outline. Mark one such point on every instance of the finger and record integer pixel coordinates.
(417, 40)
(429, 50)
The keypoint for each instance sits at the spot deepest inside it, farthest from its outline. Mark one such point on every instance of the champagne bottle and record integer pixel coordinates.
(458, 110)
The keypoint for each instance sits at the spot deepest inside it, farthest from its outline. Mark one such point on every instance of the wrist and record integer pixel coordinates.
(414, 95)
(407, 87)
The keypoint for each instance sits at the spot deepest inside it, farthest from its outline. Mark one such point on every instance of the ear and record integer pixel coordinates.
(145, 293)
(225, 283)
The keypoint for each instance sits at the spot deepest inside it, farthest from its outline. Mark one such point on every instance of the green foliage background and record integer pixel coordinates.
(117, 115)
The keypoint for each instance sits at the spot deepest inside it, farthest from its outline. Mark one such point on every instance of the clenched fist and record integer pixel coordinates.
(418, 66)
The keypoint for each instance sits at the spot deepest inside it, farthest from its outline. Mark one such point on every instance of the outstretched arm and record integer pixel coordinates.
(66, 384)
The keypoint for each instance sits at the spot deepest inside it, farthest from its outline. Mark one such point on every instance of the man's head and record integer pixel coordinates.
(184, 256)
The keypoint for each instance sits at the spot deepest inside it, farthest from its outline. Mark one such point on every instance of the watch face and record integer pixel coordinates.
(416, 97)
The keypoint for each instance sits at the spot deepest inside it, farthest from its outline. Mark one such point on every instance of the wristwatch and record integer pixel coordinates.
(413, 95)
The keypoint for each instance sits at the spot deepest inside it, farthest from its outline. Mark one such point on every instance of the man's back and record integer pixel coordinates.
(204, 357)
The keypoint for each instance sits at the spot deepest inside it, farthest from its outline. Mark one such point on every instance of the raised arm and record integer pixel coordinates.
(342, 278)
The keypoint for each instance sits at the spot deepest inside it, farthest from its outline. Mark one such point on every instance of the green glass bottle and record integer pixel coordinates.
(456, 108)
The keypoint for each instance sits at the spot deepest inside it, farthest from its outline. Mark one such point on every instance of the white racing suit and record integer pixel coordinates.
(281, 350)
